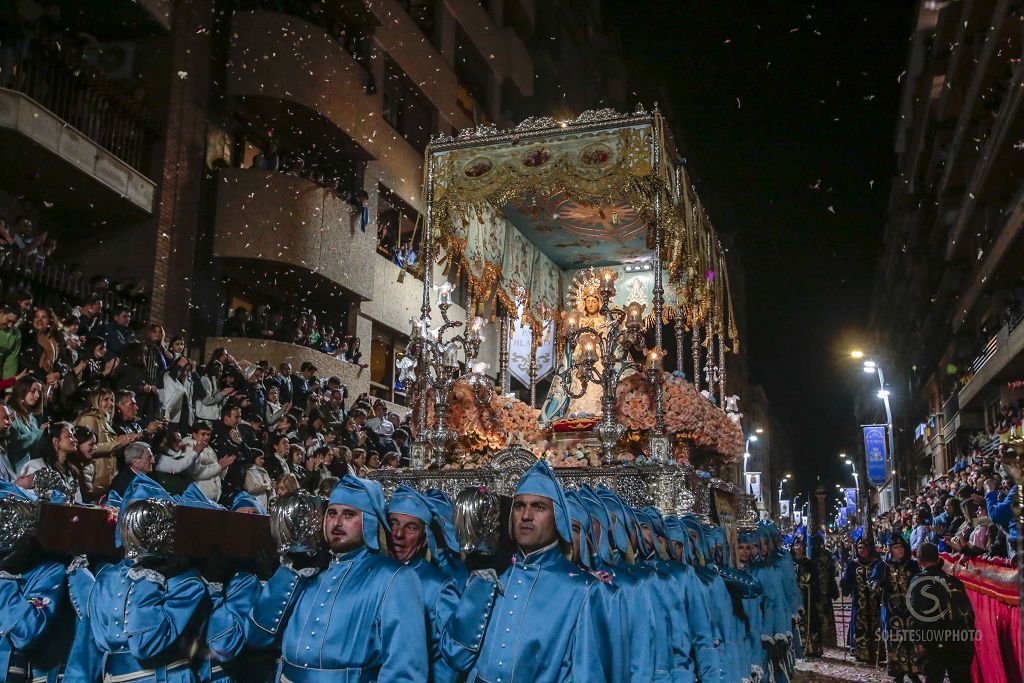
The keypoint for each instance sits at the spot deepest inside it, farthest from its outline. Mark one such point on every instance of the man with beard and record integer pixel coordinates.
(865, 619)
(815, 576)
(410, 517)
(892, 576)
(504, 630)
(353, 619)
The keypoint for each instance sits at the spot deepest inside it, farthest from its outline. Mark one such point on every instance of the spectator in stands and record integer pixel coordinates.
(227, 439)
(138, 457)
(177, 395)
(176, 347)
(274, 409)
(334, 410)
(90, 314)
(127, 419)
(158, 357)
(237, 324)
(277, 463)
(401, 439)
(43, 351)
(283, 381)
(98, 367)
(1003, 511)
(10, 340)
(288, 483)
(922, 532)
(258, 481)
(83, 458)
(109, 443)
(132, 374)
(55, 451)
(118, 332)
(297, 460)
(212, 397)
(27, 426)
(354, 354)
(392, 461)
(204, 466)
(301, 389)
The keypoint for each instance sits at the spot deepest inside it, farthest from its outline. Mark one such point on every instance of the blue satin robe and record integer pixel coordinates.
(450, 563)
(349, 622)
(137, 624)
(30, 607)
(669, 589)
(647, 625)
(698, 619)
(440, 598)
(549, 624)
(727, 626)
(754, 652)
(230, 605)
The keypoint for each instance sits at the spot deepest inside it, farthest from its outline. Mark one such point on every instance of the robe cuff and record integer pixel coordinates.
(469, 623)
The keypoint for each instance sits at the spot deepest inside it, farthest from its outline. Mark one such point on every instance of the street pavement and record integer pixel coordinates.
(835, 667)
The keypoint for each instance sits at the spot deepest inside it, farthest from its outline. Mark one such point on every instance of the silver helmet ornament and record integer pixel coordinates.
(147, 529)
(297, 522)
(478, 520)
(18, 518)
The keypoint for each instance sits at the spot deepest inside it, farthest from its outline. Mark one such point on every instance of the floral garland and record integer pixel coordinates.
(687, 413)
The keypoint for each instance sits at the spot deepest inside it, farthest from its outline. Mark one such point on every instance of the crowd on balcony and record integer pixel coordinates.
(972, 509)
(302, 328)
(94, 399)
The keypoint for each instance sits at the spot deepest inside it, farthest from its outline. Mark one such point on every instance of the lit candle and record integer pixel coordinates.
(654, 357)
(475, 327)
(444, 294)
(573, 322)
(634, 314)
(607, 275)
(589, 348)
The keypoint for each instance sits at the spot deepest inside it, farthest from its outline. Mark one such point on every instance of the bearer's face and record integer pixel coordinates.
(576, 531)
(408, 536)
(743, 551)
(343, 528)
(533, 521)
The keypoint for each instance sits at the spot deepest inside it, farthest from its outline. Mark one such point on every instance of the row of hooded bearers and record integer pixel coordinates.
(595, 591)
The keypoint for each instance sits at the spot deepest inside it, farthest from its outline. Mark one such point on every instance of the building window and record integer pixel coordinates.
(406, 108)
(388, 348)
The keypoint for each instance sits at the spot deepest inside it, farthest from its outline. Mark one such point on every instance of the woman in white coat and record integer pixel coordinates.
(176, 396)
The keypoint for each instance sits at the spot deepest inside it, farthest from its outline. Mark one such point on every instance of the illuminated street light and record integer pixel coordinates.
(752, 438)
(849, 462)
(856, 354)
(883, 393)
(759, 430)
(870, 366)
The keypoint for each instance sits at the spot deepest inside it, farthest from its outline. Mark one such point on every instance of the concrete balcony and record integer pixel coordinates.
(1001, 360)
(36, 138)
(277, 218)
(280, 64)
(254, 350)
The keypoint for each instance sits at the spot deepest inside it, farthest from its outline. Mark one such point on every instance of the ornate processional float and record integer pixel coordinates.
(585, 238)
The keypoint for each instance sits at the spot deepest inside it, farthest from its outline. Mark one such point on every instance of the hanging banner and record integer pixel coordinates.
(851, 501)
(783, 508)
(519, 351)
(842, 517)
(753, 487)
(875, 453)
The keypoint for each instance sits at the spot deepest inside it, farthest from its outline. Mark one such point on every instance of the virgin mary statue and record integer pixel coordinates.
(585, 299)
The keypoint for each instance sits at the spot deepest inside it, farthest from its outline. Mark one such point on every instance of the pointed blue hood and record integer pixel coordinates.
(367, 496)
(540, 480)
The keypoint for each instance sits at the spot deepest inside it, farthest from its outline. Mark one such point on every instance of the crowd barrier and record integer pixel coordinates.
(994, 589)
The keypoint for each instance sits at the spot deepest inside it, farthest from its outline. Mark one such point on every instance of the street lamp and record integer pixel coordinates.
(746, 452)
(872, 367)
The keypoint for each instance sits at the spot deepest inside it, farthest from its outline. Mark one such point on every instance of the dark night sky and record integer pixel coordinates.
(786, 113)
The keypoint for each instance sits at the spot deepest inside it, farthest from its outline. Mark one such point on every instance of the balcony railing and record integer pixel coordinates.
(53, 284)
(81, 95)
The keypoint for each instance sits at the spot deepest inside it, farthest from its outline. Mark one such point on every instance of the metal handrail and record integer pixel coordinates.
(54, 285)
(76, 91)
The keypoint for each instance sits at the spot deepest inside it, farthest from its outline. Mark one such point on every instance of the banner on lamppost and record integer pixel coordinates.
(754, 485)
(851, 501)
(876, 453)
(842, 516)
(783, 508)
